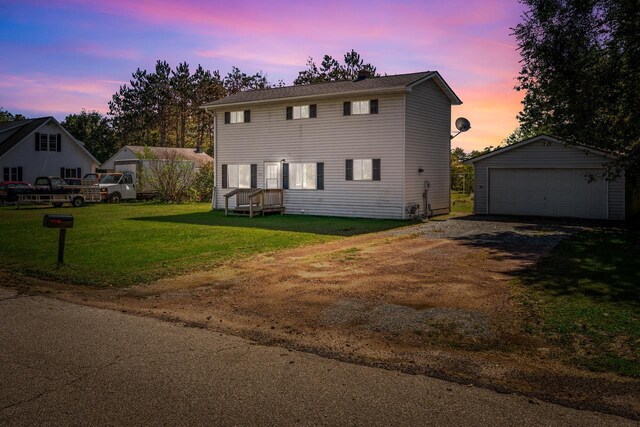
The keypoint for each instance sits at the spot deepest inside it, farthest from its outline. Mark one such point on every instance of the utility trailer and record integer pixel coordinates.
(53, 190)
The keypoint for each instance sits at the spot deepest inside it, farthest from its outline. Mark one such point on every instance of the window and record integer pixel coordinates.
(239, 176)
(237, 117)
(70, 173)
(48, 142)
(362, 170)
(53, 142)
(303, 176)
(360, 107)
(44, 142)
(12, 174)
(300, 112)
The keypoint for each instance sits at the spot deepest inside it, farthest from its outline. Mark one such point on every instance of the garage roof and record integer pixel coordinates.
(534, 139)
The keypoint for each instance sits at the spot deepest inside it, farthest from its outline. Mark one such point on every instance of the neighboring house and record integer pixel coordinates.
(41, 147)
(133, 152)
(543, 176)
(362, 148)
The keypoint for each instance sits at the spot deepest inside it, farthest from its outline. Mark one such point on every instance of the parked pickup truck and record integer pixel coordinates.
(54, 190)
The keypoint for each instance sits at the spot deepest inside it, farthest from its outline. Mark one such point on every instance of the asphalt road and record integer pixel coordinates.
(63, 364)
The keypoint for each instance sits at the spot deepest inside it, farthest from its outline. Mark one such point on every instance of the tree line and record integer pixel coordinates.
(161, 107)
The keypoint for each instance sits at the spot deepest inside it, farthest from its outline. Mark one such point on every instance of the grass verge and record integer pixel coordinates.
(120, 245)
(587, 296)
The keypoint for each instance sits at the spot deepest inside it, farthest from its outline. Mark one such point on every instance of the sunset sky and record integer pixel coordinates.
(64, 56)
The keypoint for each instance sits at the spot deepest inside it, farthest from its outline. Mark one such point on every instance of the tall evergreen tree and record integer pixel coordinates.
(332, 70)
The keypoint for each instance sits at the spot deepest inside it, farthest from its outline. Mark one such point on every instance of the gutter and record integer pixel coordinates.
(215, 156)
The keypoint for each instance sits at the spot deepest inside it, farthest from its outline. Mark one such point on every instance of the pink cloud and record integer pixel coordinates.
(56, 95)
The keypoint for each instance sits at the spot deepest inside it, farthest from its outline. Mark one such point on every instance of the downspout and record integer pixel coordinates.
(215, 158)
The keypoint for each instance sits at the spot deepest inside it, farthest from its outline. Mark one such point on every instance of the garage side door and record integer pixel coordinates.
(548, 192)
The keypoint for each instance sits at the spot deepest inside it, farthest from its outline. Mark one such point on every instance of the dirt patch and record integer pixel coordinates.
(435, 299)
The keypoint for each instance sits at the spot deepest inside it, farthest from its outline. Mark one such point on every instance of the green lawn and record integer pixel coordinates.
(587, 295)
(461, 203)
(131, 243)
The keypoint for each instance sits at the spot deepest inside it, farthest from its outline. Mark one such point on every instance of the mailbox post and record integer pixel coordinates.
(61, 222)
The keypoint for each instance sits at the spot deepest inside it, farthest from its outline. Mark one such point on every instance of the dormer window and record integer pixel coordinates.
(297, 112)
(357, 108)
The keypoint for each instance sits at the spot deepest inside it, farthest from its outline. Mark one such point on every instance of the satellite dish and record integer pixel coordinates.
(462, 124)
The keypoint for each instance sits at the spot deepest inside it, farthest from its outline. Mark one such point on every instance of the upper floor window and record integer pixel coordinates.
(48, 142)
(302, 112)
(360, 107)
(53, 142)
(237, 116)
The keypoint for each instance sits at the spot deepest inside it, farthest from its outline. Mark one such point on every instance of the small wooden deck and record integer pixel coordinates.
(255, 201)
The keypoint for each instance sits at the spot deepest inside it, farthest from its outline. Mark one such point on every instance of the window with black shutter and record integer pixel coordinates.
(376, 170)
(224, 176)
(254, 175)
(349, 170)
(313, 111)
(285, 176)
(37, 141)
(346, 108)
(59, 143)
(247, 116)
(373, 106)
(289, 113)
(320, 176)
(227, 117)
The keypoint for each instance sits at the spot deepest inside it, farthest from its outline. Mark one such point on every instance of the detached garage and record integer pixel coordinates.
(542, 176)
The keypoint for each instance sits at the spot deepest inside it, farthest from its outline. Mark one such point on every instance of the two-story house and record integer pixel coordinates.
(41, 147)
(374, 147)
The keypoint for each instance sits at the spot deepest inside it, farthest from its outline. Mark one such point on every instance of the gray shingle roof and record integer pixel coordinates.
(21, 131)
(200, 159)
(329, 88)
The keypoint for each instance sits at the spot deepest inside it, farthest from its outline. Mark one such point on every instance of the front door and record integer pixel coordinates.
(272, 175)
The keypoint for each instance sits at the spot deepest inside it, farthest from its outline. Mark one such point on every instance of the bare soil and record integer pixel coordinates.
(436, 299)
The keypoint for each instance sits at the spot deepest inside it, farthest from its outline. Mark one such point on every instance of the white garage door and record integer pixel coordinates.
(548, 192)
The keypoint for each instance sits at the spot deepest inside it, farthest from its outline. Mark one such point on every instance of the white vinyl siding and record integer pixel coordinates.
(328, 139)
(428, 147)
(362, 169)
(239, 176)
(237, 117)
(546, 154)
(302, 176)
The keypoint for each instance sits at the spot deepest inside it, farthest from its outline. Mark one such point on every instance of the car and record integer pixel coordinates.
(9, 190)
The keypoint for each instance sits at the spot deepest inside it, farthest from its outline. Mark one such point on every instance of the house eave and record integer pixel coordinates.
(215, 107)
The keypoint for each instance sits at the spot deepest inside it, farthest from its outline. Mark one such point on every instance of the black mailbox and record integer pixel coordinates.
(58, 221)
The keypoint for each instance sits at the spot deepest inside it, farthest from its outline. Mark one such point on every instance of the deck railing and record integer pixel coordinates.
(255, 200)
